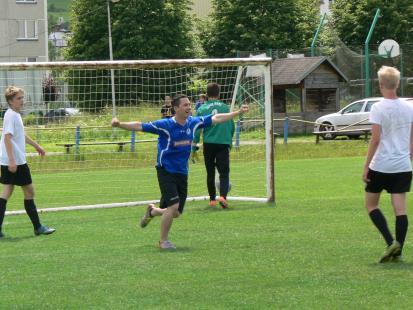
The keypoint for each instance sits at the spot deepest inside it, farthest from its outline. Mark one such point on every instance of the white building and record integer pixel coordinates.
(325, 6)
(23, 30)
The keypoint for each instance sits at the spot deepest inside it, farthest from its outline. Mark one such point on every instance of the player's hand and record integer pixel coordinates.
(12, 166)
(244, 109)
(194, 157)
(40, 150)
(115, 122)
(365, 175)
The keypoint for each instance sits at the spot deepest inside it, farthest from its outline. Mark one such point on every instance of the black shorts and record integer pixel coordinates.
(174, 188)
(393, 183)
(21, 177)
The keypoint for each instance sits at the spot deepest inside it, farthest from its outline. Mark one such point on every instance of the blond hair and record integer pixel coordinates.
(389, 77)
(11, 92)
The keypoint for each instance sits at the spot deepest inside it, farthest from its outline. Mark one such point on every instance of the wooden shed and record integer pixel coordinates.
(317, 78)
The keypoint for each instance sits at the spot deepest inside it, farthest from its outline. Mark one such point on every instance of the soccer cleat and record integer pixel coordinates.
(44, 230)
(166, 245)
(391, 250)
(223, 202)
(212, 203)
(147, 217)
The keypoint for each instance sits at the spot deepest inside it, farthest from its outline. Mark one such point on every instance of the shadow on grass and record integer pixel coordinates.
(16, 239)
(401, 265)
(233, 207)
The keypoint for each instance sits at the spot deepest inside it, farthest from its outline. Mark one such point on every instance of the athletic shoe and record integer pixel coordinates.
(391, 250)
(44, 230)
(166, 245)
(1, 235)
(223, 202)
(147, 217)
(212, 203)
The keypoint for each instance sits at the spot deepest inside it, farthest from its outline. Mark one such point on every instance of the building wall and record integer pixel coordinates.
(23, 30)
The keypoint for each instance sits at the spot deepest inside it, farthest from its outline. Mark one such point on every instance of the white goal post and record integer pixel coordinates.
(68, 108)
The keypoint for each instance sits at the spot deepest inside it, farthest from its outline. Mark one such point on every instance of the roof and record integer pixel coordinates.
(290, 71)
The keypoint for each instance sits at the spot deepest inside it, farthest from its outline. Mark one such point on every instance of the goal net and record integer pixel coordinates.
(69, 106)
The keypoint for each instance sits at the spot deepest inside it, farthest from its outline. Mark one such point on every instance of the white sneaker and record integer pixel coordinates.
(166, 245)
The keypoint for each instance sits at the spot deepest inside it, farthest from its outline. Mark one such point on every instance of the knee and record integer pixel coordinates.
(370, 208)
(29, 193)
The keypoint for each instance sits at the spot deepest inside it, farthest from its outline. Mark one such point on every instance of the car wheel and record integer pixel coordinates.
(327, 127)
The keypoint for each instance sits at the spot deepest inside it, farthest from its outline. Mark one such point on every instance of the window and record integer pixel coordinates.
(27, 30)
(369, 105)
(354, 108)
(31, 59)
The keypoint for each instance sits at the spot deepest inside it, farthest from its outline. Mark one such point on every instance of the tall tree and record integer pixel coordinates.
(140, 30)
(258, 25)
(352, 20)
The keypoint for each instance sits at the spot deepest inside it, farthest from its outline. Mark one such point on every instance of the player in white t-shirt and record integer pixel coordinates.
(14, 168)
(388, 163)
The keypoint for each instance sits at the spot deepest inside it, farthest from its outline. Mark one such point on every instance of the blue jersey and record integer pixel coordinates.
(175, 141)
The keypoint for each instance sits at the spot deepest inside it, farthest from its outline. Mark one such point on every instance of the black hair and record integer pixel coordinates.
(213, 90)
(177, 99)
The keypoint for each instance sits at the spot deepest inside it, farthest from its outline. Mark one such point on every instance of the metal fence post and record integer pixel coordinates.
(132, 140)
(286, 130)
(77, 139)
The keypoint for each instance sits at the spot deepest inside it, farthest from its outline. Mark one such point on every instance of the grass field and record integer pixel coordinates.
(316, 249)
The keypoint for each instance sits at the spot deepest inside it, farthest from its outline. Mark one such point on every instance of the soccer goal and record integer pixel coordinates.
(69, 106)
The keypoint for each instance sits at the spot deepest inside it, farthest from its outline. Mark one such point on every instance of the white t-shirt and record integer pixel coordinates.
(395, 116)
(13, 124)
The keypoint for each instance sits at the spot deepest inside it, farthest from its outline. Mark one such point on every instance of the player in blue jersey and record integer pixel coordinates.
(174, 148)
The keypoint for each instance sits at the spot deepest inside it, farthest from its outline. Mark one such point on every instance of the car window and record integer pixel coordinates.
(369, 105)
(354, 108)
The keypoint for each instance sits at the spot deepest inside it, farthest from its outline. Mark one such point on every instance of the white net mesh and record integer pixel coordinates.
(68, 109)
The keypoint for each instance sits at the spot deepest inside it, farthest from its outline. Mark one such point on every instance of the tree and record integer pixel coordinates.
(140, 30)
(258, 25)
(352, 20)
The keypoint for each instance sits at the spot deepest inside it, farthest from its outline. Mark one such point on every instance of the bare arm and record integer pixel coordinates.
(137, 126)
(10, 154)
(373, 145)
(33, 143)
(223, 117)
(411, 142)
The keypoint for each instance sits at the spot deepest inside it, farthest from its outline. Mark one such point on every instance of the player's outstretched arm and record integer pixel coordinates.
(137, 126)
(223, 117)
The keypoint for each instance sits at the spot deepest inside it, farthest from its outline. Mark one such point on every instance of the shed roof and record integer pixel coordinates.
(289, 71)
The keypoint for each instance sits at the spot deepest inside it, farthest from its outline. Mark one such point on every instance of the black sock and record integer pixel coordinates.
(380, 222)
(32, 212)
(401, 228)
(3, 203)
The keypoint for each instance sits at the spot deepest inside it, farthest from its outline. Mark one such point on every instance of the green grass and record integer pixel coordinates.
(317, 249)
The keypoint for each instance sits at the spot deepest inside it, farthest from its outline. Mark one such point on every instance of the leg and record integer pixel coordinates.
(7, 192)
(166, 222)
(223, 170)
(30, 206)
(402, 223)
(209, 159)
(377, 217)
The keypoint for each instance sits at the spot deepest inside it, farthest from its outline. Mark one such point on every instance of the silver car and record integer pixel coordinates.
(354, 116)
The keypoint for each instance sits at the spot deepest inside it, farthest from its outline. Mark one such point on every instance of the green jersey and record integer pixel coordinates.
(219, 133)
